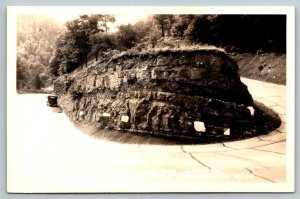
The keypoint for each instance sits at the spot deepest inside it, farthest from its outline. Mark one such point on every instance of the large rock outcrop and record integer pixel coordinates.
(183, 93)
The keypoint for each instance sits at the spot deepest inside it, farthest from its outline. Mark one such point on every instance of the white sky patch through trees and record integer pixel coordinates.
(128, 18)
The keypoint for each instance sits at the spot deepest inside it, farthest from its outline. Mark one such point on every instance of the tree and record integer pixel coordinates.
(35, 35)
(105, 21)
(37, 82)
(199, 30)
(101, 42)
(80, 40)
(76, 45)
(55, 63)
(247, 32)
(22, 74)
(154, 36)
(127, 36)
(180, 26)
(164, 22)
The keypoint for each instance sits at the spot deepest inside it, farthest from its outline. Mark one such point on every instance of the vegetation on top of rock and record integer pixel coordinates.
(156, 51)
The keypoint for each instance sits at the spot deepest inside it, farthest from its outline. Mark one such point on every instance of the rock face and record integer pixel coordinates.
(173, 93)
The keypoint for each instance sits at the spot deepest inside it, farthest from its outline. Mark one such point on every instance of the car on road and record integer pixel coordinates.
(52, 102)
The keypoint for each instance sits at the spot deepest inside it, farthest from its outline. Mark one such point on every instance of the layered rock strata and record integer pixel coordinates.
(192, 93)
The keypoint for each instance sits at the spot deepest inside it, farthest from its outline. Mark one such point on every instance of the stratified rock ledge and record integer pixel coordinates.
(175, 93)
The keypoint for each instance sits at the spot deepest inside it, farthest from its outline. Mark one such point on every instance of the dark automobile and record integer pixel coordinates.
(52, 101)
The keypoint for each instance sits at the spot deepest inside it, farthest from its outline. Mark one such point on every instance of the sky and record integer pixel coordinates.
(120, 18)
(124, 18)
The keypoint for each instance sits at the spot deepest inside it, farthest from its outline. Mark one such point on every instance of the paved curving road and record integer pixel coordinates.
(46, 153)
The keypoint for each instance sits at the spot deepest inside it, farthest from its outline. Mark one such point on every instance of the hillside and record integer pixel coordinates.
(268, 67)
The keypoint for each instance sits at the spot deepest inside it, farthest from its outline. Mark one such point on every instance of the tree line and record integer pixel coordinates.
(89, 37)
(36, 38)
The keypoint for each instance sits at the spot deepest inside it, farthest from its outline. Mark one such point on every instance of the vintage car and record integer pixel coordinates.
(52, 101)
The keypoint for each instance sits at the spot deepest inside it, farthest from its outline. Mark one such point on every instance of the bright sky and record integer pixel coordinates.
(128, 18)
(123, 14)
(120, 18)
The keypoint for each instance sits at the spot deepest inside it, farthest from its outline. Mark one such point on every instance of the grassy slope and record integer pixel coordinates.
(269, 67)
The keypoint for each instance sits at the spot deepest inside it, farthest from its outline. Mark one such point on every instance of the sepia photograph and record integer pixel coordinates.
(150, 99)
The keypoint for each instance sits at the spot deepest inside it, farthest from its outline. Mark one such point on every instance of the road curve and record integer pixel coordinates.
(46, 153)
